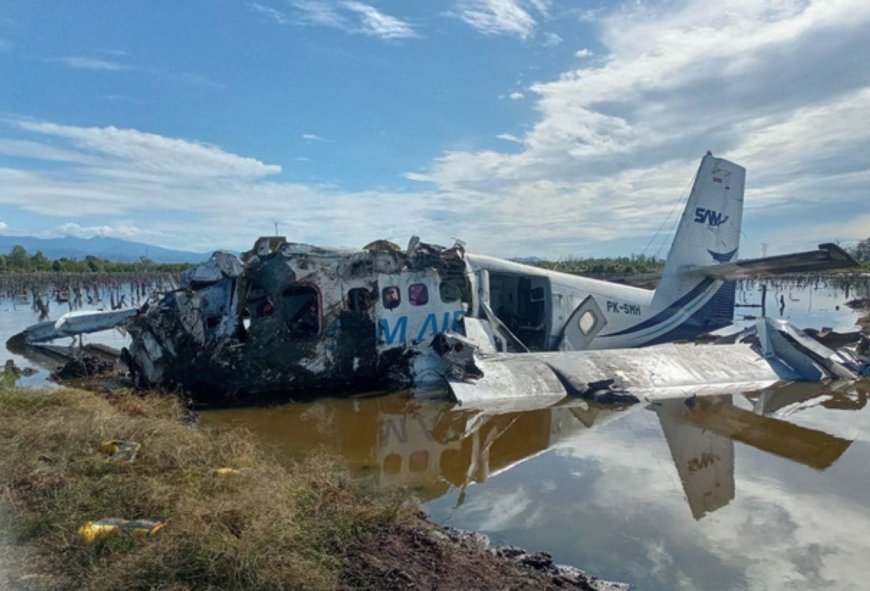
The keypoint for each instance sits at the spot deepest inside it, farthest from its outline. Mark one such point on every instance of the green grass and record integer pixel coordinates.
(273, 527)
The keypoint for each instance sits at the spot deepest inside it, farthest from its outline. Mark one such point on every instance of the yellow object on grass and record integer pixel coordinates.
(120, 449)
(95, 530)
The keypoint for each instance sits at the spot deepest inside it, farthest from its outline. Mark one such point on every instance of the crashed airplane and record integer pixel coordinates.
(288, 317)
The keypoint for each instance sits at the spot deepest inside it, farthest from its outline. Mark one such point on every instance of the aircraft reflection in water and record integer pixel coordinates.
(701, 436)
(432, 447)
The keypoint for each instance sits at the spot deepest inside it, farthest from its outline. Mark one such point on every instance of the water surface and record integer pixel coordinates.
(764, 490)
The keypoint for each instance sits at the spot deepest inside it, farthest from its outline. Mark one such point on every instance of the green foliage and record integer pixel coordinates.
(861, 251)
(604, 266)
(20, 261)
(18, 258)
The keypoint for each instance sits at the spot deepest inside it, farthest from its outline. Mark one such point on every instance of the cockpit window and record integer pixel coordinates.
(418, 294)
(391, 297)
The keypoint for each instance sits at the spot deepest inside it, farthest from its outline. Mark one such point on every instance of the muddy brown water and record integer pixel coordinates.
(763, 490)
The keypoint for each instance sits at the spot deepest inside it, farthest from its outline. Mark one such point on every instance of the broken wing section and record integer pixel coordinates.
(827, 257)
(773, 352)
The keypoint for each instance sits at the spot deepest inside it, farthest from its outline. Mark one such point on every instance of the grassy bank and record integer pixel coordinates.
(267, 526)
(271, 527)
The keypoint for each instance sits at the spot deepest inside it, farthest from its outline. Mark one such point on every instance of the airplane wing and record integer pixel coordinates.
(827, 257)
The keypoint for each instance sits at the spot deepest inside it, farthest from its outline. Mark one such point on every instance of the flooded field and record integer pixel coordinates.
(765, 490)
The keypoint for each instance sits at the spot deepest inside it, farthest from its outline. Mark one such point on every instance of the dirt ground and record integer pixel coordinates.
(430, 557)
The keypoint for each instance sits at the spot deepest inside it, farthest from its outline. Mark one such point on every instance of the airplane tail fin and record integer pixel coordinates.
(709, 233)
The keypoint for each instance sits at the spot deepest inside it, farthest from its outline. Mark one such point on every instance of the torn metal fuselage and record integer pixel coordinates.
(293, 319)
(288, 317)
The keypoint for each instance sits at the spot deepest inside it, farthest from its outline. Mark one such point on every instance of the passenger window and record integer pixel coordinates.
(418, 461)
(418, 294)
(393, 464)
(391, 297)
(358, 299)
(449, 292)
(586, 322)
(302, 310)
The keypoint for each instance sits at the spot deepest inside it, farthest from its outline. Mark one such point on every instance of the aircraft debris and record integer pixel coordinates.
(287, 317)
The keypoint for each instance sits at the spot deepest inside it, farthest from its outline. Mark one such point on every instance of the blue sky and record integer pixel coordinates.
(522, 127)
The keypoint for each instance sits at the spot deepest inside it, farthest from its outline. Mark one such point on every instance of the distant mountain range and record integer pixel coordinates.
(113, 249)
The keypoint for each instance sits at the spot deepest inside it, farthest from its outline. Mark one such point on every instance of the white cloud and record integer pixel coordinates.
(581, 53)
(129, 153)
(271, 13)
(319, 12)
(551, 40)
(509, 137)
(125, 231)
(200, 196)
(517, 96)
(311, 137)
(499, 512)
(496, 17)
(87, 63)
(354, 17)
(375, 23)
(778, 87)
(3, 226)
(542, 6)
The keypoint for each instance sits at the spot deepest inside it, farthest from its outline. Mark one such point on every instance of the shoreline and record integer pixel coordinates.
(262, 525)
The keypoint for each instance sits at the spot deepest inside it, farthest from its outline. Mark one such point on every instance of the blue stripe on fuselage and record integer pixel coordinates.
(668, 312)
(717, 313)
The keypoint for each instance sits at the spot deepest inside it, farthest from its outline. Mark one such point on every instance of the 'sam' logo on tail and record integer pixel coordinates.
(709, 217)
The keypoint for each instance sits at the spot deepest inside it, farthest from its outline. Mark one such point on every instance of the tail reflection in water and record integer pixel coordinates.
(433, 447)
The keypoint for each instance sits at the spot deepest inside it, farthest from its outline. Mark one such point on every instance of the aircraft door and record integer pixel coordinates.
(582, 326)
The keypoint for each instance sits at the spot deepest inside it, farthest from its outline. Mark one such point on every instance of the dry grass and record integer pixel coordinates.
(273, 527)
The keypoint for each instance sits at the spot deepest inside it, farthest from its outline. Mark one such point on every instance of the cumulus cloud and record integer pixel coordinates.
(311, 137)
(3, 226)
(147, 156)
(779, 87)
(581, 53)
(516, 96)
(201, 196)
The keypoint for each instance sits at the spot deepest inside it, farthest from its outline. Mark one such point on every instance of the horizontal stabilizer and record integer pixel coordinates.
(827, 257)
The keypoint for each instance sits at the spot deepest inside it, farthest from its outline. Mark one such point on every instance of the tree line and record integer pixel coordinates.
(861, 252)
(20, 261)
(629, 265)
(645, 264)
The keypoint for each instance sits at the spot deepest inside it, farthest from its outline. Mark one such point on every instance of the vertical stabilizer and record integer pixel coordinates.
(709, 233)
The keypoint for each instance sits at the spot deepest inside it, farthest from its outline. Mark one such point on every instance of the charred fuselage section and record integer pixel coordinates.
(289, 317)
